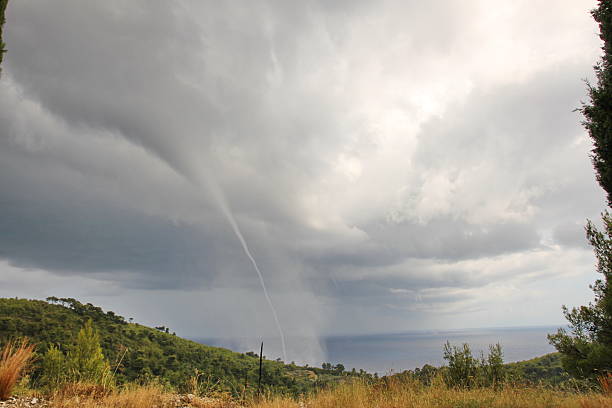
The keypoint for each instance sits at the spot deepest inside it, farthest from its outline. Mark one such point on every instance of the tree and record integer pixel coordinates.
(3, 4)
(462, 366)
(86, 361)
(494, 373)
(466, 371)
(598, 113)
(587, 350)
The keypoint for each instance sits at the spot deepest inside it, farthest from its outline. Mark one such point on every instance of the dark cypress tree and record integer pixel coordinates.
(587, 349)
(598, 113)
(3, 4)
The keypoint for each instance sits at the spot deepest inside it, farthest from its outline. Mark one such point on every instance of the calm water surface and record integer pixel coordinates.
(397, 352)
(384, 353)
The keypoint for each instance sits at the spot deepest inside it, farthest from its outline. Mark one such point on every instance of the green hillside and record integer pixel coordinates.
(141, 353)
(546, 369)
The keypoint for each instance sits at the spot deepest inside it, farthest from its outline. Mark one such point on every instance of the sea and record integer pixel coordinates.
(395, 352)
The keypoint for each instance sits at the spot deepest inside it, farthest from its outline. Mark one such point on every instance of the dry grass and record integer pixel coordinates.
(398, 394)
(606, 383)
(150, 396)
(15, 359)
(87, 396)
(80, 390)
(133, 397)
(392, 394)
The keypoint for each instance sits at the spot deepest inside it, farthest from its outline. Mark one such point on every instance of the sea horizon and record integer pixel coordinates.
(390, 352)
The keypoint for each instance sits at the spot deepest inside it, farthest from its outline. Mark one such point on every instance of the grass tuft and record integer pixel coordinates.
(15, 359)
(606, 383)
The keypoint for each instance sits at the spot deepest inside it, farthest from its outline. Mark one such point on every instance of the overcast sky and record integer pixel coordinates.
(393, 165)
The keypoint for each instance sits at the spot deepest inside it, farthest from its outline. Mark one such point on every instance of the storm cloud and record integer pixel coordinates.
(392, 165)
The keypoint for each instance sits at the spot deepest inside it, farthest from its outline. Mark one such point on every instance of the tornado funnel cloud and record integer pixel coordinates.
(220, 198)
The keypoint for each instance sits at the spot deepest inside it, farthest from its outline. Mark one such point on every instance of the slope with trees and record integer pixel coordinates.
(138, 353)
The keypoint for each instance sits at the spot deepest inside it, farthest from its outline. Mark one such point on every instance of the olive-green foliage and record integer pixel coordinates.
(544, 370)
(424, 375)
(462, 366)
(598, 113)
(138, 353)
(493, 372)
(540, 371)
(85, 361)
(53, 368)
(587, 349)
(466, 371)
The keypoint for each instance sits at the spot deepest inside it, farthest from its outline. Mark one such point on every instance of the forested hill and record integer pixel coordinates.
(546, 369)
(142, 353)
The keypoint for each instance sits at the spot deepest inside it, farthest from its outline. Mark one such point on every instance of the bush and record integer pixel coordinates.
(494, 373)
(462, 366)
(84, 363)
(54, 369)
(466, 371)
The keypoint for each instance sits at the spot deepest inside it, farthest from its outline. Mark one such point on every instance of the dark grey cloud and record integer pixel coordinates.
(69, 232)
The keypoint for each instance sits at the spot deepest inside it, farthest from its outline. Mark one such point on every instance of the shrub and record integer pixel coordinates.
(15, 359)
(493, 370)
(86, 362)
(462, 366)
(53, 367)
(466, 371)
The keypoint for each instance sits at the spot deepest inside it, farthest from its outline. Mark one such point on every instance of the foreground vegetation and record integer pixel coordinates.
(398, 393)
(79, 373)
(449, 387)
(382, 393)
